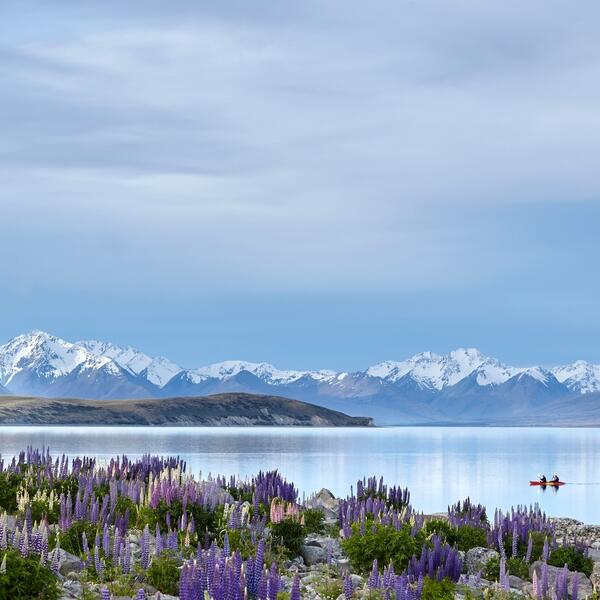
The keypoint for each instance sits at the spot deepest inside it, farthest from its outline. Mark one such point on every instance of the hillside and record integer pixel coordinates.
(238, 409)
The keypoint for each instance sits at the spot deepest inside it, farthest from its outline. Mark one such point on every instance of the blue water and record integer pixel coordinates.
(440, 464)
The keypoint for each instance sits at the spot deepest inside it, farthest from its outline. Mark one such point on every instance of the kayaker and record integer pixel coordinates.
(542, 479)
(555, 478)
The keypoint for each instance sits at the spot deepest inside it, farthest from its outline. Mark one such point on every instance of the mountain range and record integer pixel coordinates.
(464, 386)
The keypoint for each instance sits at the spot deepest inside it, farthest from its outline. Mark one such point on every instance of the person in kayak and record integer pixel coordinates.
(542, 479)
(555, 478)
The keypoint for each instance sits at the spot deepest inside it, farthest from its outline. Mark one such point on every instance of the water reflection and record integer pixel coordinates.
(439, 465)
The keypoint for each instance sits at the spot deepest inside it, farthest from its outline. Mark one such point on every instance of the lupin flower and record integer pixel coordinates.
(295, 591)
(348, 588)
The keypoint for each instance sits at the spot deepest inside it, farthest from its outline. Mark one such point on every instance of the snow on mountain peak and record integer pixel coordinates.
(580, 376)
(50, 356)
(47, 357)
(431, 370)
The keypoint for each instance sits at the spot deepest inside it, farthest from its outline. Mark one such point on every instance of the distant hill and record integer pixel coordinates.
(238, 409)
(463, 386)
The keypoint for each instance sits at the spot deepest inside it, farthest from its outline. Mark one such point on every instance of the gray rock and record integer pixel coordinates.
(595, 577)
(585, 585)
(313, 554)
(516, 583)
(477, 558)
(357, 581)
(66, 562)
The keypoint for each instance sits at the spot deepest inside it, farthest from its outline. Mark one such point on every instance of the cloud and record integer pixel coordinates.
(298, 147)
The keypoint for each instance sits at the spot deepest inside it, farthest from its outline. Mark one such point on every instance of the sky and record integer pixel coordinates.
(310, 184)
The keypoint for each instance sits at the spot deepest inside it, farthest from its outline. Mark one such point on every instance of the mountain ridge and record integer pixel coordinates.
(457, 385)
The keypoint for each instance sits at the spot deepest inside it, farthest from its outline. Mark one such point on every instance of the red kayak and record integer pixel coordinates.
(551, 483)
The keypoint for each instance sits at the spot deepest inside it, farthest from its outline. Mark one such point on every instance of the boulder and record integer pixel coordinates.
(516, 583)
(313, 554)
(477, 558)
(584, 584)
(595, 577)
(67, 562)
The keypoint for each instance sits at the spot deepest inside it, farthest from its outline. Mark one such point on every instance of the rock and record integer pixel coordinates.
(516, 583)
(71, 589)
(477, 558)
(313, 555)
(327, 503)
(595, 577)
(585, 585)
(161, 596)
(357, 581)
(66, 562)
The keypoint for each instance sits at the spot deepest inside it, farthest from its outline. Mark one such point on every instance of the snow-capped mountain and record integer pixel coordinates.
(157, 370)
(463, 382)
(580, 376)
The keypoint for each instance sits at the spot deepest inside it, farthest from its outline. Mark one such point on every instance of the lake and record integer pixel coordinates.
(440, 465)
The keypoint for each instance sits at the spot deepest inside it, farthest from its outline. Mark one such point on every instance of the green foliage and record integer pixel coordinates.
(440, 527)
(40, 509)
(9, 486)
(438, 590)
(332, 531)
(125, 585)
(466, 537)
(574, 558)
(328, 588)
(163, 573)
(27, 579)
(383, 543)
(314, 520)
(495, 593)
(205, 520)
(239, 539)
(71, 539)
(289, 534)
(514, 566)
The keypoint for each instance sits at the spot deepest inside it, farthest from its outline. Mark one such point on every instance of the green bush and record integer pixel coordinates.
(440, 527)
(438, 590)
(466, 537)
(314, 520)
(239, 540)
(205, 520)
(26, 578)
(9, 486)
(514, 566)
(163, 574)
(71, 540)
(383, 543)
(574, 559)
(290, 534)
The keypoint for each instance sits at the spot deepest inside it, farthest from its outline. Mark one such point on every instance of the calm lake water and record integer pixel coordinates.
(439, 464)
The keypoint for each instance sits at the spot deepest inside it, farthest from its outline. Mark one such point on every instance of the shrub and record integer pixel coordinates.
(240, 540)
(71, 539)
(314, 520)
(163, 574)
(9, 486)
(466, 537)
(573, 557)
(438, 590)
(26, 579)
(384, 543)
(514, 566)
(440, 527)
(288, 533)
